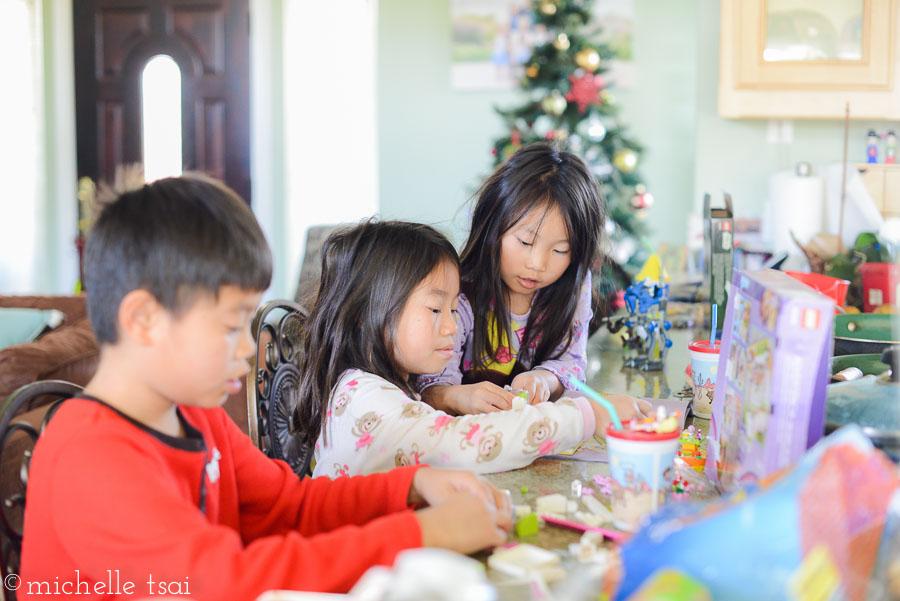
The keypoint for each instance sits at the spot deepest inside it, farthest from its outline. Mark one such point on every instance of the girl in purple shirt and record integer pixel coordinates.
(526, 288)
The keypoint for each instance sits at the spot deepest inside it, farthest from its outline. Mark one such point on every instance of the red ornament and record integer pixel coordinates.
(641, 199)
(585, 91)
(515, 137)
(494, 151)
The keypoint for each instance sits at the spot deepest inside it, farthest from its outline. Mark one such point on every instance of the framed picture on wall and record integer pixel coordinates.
(491, 41)
(613, 25)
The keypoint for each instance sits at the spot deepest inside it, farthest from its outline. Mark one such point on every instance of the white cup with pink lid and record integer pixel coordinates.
(641, 466)
(704, 366)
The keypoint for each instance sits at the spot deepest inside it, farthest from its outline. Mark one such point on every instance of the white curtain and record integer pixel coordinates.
(330, 124)
(22, 213)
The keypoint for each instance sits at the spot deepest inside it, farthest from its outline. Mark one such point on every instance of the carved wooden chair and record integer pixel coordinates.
(272, 384)
(23, 417)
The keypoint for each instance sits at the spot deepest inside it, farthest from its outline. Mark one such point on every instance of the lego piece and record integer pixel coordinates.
(520, 401)
(555, 503)
(590, 548)
(520, 511)
(527, 525)
(597, 508)
(589, 518)
(576, 488)
(605, 484)
(525, 560)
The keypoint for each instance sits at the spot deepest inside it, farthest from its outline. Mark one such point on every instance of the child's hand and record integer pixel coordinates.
(433, 486)
(466, 514)
(482, 397)
(463, 523)
(627, 407)
(539, 383)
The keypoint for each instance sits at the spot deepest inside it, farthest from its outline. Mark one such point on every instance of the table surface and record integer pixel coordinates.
(605, 374)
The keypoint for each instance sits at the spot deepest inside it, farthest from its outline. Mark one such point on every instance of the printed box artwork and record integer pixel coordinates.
(769, 403)
(718, 243)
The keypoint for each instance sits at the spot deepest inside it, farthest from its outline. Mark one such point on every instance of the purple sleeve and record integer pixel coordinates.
(573, 360)
(452, 374)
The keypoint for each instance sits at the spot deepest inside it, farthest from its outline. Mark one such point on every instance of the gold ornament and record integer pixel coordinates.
(532, 70)
(561, 42)
(588, 59)
(625, 160)
(548, 7)
(554, 103)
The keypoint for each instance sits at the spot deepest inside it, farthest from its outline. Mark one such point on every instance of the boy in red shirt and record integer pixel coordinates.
(143, 485)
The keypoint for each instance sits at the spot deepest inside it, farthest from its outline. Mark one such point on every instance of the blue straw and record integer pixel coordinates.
(712, 326)
(596, 397)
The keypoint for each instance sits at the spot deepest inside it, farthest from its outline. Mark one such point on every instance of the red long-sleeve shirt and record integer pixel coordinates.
(112, 502)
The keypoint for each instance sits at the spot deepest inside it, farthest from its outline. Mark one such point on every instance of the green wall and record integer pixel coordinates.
(733, 155)
(434, 141)
(661, 109)
(57, 260)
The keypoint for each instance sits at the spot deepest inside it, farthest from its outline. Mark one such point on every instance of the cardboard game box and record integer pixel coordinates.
(718, 243)
(769, 403)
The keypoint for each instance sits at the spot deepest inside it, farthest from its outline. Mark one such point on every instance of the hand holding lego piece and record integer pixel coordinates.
(483, 397)
(466, 513)
(539, 383)
(434, 486)
(627, 407)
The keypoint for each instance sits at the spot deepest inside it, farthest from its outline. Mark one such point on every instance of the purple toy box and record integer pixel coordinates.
(769, 404)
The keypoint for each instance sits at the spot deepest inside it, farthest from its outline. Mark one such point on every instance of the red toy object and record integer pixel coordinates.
(881, 285)
(842, 508)
(834, 288)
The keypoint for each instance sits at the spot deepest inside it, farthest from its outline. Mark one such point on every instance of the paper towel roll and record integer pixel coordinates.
(797, 204)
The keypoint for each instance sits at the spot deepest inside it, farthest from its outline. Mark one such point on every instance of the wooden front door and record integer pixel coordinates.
(208, 39)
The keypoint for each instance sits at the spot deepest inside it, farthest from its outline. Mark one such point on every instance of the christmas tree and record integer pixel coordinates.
(569, 102)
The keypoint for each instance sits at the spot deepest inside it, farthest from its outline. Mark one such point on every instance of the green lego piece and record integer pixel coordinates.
(527, 526)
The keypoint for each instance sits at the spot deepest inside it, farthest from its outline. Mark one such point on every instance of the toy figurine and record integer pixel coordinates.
(890, 147)
(645, 340)
(872, 147)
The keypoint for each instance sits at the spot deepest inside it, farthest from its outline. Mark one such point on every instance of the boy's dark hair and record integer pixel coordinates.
(174, 237)
(368, 273)
(537, 175)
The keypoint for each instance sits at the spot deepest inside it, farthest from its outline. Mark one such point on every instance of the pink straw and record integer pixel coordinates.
(612, 535)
